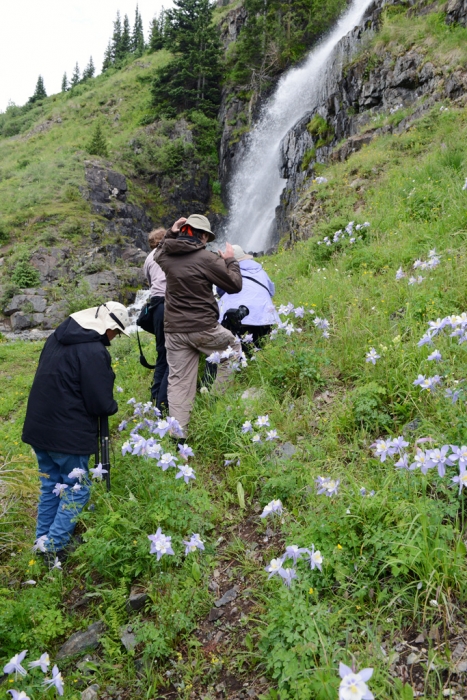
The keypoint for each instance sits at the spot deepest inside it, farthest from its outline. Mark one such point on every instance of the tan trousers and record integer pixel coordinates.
(183, 351)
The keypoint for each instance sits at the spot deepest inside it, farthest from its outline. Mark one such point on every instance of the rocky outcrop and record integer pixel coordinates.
(107, 194)
(354, 92)
(456, 12)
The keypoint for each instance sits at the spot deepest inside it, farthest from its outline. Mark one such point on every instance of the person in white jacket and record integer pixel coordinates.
(256, 295)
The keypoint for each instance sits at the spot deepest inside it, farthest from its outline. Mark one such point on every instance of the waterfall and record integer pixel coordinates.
(142, 296)
(256, 185)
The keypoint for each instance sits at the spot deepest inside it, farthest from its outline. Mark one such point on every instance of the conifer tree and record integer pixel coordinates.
(125, 45)
(192, 79)
(65, 86)
(97, 145)
(39, 92)
(89, 70)
(137, 37)
(108, 61)
(117, 40)
(156, 32)
(76, 77)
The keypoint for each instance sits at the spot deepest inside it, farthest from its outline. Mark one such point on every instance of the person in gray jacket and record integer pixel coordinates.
(256, 294)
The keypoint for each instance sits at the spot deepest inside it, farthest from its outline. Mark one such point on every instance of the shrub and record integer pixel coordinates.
(25, 275)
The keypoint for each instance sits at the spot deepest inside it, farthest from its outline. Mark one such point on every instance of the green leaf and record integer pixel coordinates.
(241, 495)
(196, 572)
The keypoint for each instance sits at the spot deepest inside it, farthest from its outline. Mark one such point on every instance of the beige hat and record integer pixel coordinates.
(200, 222)
(109, 316)
(240, 254)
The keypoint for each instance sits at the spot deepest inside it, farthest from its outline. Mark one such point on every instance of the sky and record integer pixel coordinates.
(47, 37)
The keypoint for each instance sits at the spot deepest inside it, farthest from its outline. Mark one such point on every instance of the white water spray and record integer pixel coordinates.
(256, 185)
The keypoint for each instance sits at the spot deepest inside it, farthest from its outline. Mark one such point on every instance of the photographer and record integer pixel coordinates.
(157, 284)
(191, 313)
(72, 388)
(256, 295)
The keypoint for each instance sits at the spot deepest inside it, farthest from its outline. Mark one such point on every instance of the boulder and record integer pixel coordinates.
(47, 261)
(19, 301)
(20, 321)
(80, 641)
(134, 255)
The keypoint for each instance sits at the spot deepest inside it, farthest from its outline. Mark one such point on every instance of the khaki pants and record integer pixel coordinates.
(183, 351)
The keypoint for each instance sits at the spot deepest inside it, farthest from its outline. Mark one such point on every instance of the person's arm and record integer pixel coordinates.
(271, 285)
(97, 383)
(225, 273)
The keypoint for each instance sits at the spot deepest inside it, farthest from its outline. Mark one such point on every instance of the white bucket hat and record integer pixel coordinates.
(240, 254)
(109, 316)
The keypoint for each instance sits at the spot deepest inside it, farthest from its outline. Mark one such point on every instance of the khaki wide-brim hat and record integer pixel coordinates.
(202, 223)
(109, 316)
(240, 254)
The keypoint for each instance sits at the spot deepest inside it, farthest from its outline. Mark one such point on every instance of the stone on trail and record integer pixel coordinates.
(90, 693)
(79, 641)
(215, 614)
(228, 597)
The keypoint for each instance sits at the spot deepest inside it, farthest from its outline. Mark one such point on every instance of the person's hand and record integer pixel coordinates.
(178, 224)
(229, 252)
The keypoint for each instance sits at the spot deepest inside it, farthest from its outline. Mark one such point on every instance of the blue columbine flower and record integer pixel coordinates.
(315, 559)
(185, 451)
(287, 575)
(294, 552)
(372, 356)
(453, 395)
(459, 454)
(461, 479)
(59, 489)
(160, 544)
(14, 664)
(435, 355)
(98, 472)
(194, 543)
(186, 472)
(56, 681)
(275, 567)
(353, 685)
(440, 459)
(272, 508)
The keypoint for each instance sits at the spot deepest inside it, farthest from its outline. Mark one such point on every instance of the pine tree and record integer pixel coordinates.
(65, 86)
(137, 37)
(192, 79)
(89, 70)
(97, 145)
(117, 40)
(108, 61)
(156, 32)
(125, 46)
(76, 77)
(39, 92)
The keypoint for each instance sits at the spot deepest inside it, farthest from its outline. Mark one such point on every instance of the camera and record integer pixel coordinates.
(232, 319)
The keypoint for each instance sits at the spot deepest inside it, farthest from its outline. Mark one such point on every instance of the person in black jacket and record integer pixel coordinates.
(72, 388)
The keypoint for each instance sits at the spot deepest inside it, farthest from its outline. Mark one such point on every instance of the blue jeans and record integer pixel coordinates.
(56, 516)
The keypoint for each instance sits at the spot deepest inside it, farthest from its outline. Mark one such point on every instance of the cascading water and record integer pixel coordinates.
(142, 296)
(256, 185)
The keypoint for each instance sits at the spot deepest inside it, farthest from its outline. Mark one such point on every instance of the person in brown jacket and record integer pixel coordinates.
(191, 312)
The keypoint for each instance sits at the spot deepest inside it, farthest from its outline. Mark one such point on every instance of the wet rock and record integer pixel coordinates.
(228, 597)
(80, 641)
(215, 614)
(91, 693)
(136, 601)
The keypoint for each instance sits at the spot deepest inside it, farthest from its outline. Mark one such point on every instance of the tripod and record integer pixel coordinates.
(103, 447)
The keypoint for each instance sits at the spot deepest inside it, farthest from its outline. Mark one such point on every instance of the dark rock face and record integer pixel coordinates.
(80, 641)
(457, 12)
(51, 263)
(351, 96)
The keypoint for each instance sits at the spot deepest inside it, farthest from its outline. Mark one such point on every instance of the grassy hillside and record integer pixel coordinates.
(391, 594)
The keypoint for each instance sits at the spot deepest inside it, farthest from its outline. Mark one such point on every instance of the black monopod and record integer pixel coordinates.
(103, 446)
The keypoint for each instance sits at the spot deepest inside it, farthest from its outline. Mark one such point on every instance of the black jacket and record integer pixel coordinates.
(72, 387)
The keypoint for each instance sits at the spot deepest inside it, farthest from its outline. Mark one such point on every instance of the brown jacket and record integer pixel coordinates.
(191, 270)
